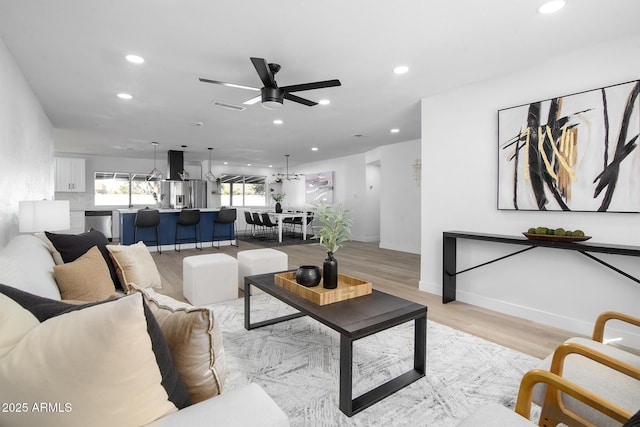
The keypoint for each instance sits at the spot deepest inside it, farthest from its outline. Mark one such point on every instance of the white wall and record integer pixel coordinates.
(459, 190)
(349, 183)
(400, 199)
(26, 146)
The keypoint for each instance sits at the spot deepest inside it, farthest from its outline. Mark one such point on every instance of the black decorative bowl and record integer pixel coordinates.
(308, 275)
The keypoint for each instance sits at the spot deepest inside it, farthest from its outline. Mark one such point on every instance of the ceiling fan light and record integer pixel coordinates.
(272, 105)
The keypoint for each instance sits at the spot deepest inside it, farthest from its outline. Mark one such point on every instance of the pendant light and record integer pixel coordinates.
(155, 174)
(209, 175)
(279, 177)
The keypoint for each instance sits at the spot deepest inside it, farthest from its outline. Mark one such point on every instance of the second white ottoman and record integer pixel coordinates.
(260, 261)
(209, 278)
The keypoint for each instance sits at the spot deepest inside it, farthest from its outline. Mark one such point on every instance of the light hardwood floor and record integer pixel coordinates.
(396, 273)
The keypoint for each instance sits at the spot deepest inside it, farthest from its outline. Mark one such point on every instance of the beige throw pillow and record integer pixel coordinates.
(195, 342)
(85, 279)
(134, 264)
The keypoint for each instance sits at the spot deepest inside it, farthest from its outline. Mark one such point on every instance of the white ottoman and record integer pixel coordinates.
(209, 278)
(260, 261)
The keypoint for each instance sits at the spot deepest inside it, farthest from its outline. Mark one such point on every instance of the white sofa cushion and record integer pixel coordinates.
(246, 406)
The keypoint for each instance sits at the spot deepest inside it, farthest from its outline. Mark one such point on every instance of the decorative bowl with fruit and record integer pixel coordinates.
(555, 234)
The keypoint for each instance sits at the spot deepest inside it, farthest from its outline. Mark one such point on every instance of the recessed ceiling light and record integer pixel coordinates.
(402, 69)
(124, 96)
(277, 122)
(270, 166)
(248, 164)
(135, 59)
(324, 102)
(551, 6)
(395, 130)
(226, 163)
(314, 149)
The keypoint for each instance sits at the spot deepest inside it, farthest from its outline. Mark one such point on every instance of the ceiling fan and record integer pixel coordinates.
(271, 95)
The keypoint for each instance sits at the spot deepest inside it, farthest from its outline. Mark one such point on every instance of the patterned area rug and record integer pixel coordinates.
(297, 363)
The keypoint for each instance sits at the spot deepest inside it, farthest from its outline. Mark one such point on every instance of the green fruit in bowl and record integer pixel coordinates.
(560, 232)
(541, 230)
(568, 233)
(532, 230)
(550, 231)
(578, 233)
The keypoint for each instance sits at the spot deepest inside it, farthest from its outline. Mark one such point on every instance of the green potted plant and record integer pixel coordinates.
(278, 197)
(334, 231)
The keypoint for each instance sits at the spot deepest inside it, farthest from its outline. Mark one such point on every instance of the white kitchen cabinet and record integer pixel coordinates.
(70, 175)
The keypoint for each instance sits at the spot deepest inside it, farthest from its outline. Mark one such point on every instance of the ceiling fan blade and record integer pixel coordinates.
(264, 72)
(299, 100)
(228, 84)
(253, 100)
(310, 86)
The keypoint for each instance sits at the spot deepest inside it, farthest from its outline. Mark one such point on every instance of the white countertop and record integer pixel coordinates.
(134, 210)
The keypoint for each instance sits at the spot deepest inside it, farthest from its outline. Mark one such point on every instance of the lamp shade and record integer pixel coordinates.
(43, 215)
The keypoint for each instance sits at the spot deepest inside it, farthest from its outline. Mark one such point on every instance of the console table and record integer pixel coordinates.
(449, 240)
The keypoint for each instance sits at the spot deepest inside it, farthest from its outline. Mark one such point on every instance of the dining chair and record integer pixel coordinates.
(268, 224)
(248, 219)
(257, 220)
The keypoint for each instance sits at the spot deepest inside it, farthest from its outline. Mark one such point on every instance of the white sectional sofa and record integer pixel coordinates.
(27, 264)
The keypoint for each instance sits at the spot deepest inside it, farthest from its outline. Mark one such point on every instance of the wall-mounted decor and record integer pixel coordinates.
(573, 153)
(319, 187)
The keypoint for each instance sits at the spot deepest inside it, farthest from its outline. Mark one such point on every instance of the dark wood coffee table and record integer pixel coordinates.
(353, 319)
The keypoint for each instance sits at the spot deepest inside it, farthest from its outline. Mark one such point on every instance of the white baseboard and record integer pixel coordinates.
(580, 327)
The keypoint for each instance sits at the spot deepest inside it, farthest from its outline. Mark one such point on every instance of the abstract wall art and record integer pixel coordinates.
(318, 187)
(572, 153)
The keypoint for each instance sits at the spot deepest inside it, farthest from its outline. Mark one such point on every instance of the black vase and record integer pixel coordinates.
(278, 207)
(308, 275)
(330, 272)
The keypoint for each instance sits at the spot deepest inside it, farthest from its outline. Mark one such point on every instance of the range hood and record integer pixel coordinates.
(175, 163)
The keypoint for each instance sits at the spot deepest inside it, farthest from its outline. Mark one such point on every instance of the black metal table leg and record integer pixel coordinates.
(346, 375)
(351, 406)
(448, 269)
(247, 312)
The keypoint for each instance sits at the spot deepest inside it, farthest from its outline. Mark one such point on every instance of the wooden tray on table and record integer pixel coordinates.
(348, 287)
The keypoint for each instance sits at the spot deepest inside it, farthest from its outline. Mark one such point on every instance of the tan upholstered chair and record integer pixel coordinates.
(558, 386)
(622, 389)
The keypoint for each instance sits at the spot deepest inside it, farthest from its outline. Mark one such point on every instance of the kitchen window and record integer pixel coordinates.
(243, 190)
(124, 189)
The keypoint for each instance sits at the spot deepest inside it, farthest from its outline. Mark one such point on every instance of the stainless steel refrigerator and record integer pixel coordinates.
(197, 193)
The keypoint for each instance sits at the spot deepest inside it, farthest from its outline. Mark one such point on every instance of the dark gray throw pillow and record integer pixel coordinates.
(73, 246)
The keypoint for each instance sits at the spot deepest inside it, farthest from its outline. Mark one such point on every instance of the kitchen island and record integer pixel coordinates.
(168, 220)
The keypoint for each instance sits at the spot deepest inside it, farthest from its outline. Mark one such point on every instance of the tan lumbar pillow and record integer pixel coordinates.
(134, 264)
(195, 342)
(85, 279)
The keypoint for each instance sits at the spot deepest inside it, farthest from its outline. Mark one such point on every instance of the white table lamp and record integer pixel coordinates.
(43, 215)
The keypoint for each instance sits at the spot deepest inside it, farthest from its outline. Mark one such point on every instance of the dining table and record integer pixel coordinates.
(281, 216)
